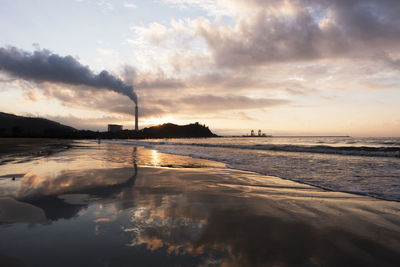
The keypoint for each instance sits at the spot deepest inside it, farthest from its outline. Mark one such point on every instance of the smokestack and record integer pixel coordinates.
(136, 118)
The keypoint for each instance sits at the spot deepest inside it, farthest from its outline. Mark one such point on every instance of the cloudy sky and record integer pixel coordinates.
(287, 67)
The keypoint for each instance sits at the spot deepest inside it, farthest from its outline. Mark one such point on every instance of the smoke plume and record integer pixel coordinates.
(45, 66)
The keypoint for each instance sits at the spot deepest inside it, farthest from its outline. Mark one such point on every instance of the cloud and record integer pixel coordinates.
(317, 44)
(263, 41)
(304, 30)
(45, 66)
(261, 54)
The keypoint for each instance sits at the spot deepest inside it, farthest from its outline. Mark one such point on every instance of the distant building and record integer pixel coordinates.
(112, 128)
(252, 133)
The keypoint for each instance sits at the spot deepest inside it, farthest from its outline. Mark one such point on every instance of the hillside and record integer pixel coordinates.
(18, 126)
(169, 130)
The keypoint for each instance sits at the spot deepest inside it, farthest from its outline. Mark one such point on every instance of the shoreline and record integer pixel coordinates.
(13, 149)
(228, 165)
(180, 210)
(31, 147)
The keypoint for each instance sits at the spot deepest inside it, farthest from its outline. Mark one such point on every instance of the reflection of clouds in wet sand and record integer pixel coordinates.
(33, 185)
(156, 228)
(303, 228)
(65, 195)
(62, 185)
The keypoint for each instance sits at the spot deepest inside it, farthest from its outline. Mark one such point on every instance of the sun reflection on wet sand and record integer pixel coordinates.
(155, 161)
(117, 202)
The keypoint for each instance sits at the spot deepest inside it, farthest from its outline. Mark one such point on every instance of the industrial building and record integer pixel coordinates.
(112, 128)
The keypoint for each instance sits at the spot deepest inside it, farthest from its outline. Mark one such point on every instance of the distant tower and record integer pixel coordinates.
(259, 132)
(136, 119)
(252, 133)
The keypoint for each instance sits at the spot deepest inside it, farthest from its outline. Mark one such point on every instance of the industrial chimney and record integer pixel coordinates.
(136, 118)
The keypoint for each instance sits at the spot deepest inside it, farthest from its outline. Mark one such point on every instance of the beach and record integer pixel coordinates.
(111, 204)
(16, 149)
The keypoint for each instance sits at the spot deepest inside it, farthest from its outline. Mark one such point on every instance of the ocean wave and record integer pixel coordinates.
(324, 149)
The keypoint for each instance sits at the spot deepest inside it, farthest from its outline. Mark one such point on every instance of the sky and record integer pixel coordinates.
(287, 67)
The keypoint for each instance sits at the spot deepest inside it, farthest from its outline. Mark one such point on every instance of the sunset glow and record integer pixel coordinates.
(157, 120)
(290, 67)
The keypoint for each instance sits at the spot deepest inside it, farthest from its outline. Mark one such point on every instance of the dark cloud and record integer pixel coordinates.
(45, 66)
(316, 29)
(264, 40)
(368, 20)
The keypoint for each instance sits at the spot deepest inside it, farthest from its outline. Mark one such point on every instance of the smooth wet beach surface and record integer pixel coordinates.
(111, 205)
(17, 150)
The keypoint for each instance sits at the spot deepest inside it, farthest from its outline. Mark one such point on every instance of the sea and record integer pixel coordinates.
(365, 166)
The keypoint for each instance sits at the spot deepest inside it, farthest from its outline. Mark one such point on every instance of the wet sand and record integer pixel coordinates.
(15, 149)
(109, 205)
